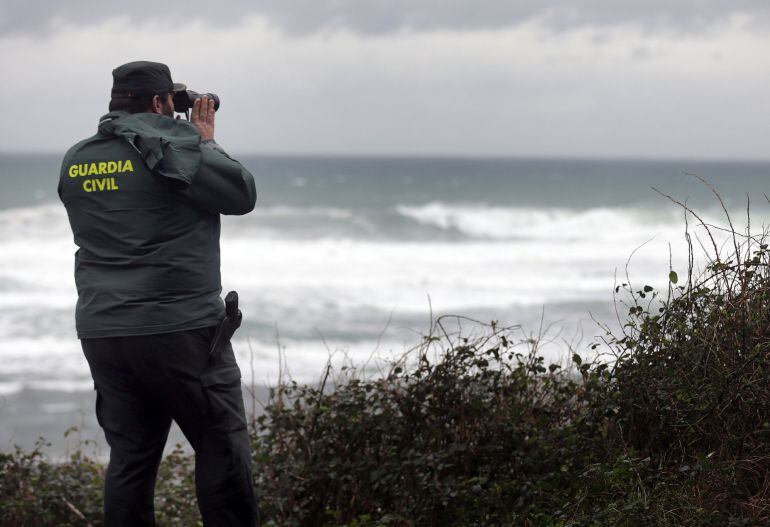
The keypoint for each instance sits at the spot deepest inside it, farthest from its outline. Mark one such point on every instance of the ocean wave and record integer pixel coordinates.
(283, 211)
(46, 221)
(261, 361)
(69, 385)
(61, 385)
(22, 229)
(504, 259)
(10, 388)
(512, 223)
(28, 232)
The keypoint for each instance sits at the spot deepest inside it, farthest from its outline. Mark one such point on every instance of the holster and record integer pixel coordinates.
(227, 326)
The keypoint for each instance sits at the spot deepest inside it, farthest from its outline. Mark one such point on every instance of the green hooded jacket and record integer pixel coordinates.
(143, 197)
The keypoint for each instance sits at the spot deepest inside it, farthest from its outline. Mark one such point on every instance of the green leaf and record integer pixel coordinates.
(576, 359)
(647, 288)
(673, 277)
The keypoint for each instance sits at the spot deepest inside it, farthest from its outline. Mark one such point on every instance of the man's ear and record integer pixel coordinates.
(156, 104)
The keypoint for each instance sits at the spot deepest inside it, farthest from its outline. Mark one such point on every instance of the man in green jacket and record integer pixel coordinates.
(144, 197)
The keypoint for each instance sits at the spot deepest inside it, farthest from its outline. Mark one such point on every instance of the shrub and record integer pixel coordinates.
(35, 492)
(691, 386)
(485, 434)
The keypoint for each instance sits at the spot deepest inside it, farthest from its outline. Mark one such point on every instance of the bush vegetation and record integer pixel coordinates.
(668, 425)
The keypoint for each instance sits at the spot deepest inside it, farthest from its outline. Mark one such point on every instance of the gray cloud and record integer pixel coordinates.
(385, 16)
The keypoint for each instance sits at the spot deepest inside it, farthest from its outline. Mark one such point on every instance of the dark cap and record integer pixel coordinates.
(136, 79)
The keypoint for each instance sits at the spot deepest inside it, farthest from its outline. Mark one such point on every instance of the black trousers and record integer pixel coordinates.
(142, 383)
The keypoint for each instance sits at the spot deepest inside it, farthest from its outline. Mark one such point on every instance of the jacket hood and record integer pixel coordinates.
(170, 147)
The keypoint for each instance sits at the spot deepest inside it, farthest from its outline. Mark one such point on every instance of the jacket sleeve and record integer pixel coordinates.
(221, 184)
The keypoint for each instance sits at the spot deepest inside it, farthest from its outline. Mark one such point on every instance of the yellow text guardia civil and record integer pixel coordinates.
(100, 168)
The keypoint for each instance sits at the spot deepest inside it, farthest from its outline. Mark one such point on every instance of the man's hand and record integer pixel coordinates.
(203, 117)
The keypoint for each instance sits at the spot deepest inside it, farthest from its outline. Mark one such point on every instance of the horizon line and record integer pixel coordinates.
(459, 156)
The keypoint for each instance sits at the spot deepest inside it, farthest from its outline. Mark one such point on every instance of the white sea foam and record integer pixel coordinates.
(510, 257)
(47, 221)
(305, 360)
(351, 275)
(47, 385)
(59, 408)
(282, 211)
(530, 257)
(53, 367)
(10, 388)
(61, 385)
(37, 258)
(46, 357)
(599, 225)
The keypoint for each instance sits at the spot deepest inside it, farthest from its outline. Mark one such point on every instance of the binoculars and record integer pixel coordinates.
(183, 100)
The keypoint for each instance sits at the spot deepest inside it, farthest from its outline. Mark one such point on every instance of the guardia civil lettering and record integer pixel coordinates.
(101, 168)
(96, 185)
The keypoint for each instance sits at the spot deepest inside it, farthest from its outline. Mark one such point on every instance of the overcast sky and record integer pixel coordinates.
(591, 78)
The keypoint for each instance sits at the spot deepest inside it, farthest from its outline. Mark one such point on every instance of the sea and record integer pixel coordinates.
(349, 261)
